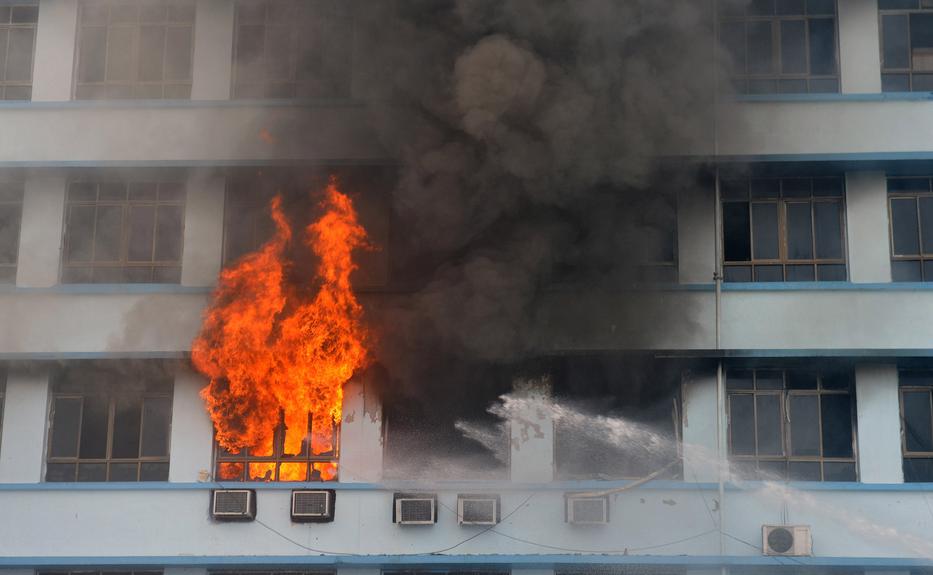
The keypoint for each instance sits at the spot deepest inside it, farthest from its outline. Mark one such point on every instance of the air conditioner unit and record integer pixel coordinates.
(313, 505)
(233, 504)
(478, 509)
(586, 510)
(786, 540)
(414, 508)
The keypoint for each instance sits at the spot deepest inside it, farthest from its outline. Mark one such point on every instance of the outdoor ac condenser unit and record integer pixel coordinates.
(478, 509)
(414, 508)
(233, 504)
(786, 540)
(586, 510)
(313, 505)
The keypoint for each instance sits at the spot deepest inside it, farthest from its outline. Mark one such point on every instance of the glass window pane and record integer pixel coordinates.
(765, 188)
(897, 4)
(796, 187)
(92, 58)
(769, 379)
(9, 232)
(120, 54)
(798, 379)
(760, 58)
(151, 48)
(734, 189)
(92, 472)
(769, 273)
(736, 379)
(141, 233)
(157, 420)
(169, 234)
(822, 46)
(926, 224)
(921, 42)
(108, 233)
(249, 50)
(769, 424)
(761, 7)
(905, 227)
(736, 233)
(804, 425)
(765, 230)
(906, 271)
(793, 47)
(772, 470)
(821, 6)
(837, 425)
(79, 234)
(918, 470)
(66, 418)
(732, 36)
(894, 52)
(737, 274)
(56, 472)
(804, 471)
(178, 52)
(828, 216)
(831, 272)
(838, 471)
(921, 82)
(742, 424)
(927, 270)
(895, 83)
(918, 422)
(799, 231)
(151, 471)
(790, 7)
(94, 420)
(827, 187)
(802, 273)
(19, 54)
(126, 424)
(123, 472)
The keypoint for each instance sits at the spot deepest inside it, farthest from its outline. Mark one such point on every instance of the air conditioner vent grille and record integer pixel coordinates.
(583, 509)
(313, 505)
(415, 509)
(233, 504)
(786, 540)
(478, 509)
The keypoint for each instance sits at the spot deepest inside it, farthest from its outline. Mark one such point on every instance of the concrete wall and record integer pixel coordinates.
(859, 46)
(25, 417)
(213, 50)
(41, 228)
(52, 77)
(879, 424)
(192, 439)
(869, 248)
(202, 257)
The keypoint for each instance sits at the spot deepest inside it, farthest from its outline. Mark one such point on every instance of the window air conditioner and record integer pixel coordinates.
(586, 510)
(478, 509)
(233, 504)
(414, 508)
(313, 505)
(787, 540)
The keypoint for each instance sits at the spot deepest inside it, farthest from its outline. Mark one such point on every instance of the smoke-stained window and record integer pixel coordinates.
(292, 49)
(123, 232)
(780, 46)
(916, 393)
(792, 424)
(17, 49)
(110, 423)
(788, 229)
(906, 45)
(135, 49)
(11, 212)
(657, 224)
(910, 204)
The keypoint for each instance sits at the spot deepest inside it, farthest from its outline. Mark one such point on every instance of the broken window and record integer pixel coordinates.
(906, 45)
(135, 49)
(780, 46)
(910, 202)
(17, 49)
(792, 424)
(110, 423)
(787, 229)
(123, 232)
(292, 49)
(11, 212)
(916, 392)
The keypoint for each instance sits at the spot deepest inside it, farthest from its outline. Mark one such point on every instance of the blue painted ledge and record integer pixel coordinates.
(835, 97)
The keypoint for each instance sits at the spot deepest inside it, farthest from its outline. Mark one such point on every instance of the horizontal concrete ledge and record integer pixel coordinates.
(440, 559)
(835, 97)
(144, 103)
(106, 289)
(193, 163)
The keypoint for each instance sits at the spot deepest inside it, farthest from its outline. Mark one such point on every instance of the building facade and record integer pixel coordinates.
(122, 153)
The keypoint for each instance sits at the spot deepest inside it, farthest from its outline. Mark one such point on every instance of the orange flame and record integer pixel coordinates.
(269, 351)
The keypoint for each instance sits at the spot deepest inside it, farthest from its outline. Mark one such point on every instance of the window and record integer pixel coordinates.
(97, 572)
(135, 49)
(110, 423)
(274, 463)
(780, 46)
(17, 47)
(657, 224)
(11, 212)
(916, 391)
(910, 203)
(2, 396)
(906, 45)
(790, 229)
(118, 232)
(792, 424)
(292, 49)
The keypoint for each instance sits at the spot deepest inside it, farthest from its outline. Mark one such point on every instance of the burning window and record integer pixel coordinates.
(123, 232)
(789, 229)
(110, 423)
(787, 46)
(17, 47)
(792, 424)
(916, 391)
(134, 49)
(906, 45)
(11, 212)
(910, 203)
(292, 49)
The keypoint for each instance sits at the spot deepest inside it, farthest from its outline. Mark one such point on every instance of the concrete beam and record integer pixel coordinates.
(25, 421)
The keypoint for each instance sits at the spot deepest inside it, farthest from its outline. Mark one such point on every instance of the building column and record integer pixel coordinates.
(859, 47)
(867, 227)
(53, 72)
(213, 50)
(361, 445)
(25, 421)
(41, 230)
(531, 437)
(202, 254)
(192, 440)
(696, 235)
(879, 424)
(700, 449)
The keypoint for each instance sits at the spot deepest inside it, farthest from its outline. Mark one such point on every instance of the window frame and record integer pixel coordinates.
(909, 71)
(18, 202)
(915, 195)
(901, 390)
(11, 25)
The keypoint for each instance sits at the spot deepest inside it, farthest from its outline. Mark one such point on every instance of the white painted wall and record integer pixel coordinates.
(361, 438)
(213, 50)
(859, 46)
(25, 418)
(202, 255)
(879, 424)
(41, 229)
(192, 431)
(52, 77)
(700, 442)
(867, 227)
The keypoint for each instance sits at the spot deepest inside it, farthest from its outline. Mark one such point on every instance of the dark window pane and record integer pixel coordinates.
(742, 424)
(906, 271)
(897, 4)
(143, 191)
(921, 42)
(838, 471)
(732, 36)
(120, 54)
(141, 232)
(801, 379)
(837, 425)
(821, 6)
(769, 424)
(108, 233)
(66, 418)
(926, 224)
(761, 7)
(734, 190)
(79, 236)
(19, 54)
(10, 216)
(839, 380)
(55, 472)
(918, 422)
(804, 471)
(772, 470)
(799, 231)
(828, 216)
(896, 185)
(25, 14)
(765, 188)
(765, 231)
(922, 82)
(157, 419)
(153, 472)
(94, 427)
(928, 270)
(92, 59)
(895, 83)
(760, 60)
(151, 46)
(918, 470)
(793, 47)
(802, 273)
(769, 273)
(824, 85)
(737, 274)
(804, 425)
(792, 86)
(790, 7)
(178, 51)
(769, 379)
(169, 234)
(831, 272)
(895, 52)
(736, 234)
(113, 191)
(123, 472)
(126, 424)
(762, 86)
(827, 187)
(905, 227)
(822, 46)
(908, 378)
(92, 471)
(796, 187)
(736, 379)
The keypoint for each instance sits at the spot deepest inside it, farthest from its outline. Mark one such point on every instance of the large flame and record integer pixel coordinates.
(271, 351)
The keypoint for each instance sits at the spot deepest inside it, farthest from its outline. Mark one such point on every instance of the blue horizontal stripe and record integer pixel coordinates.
(824, 157)
(827, 286)
(836, 97)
